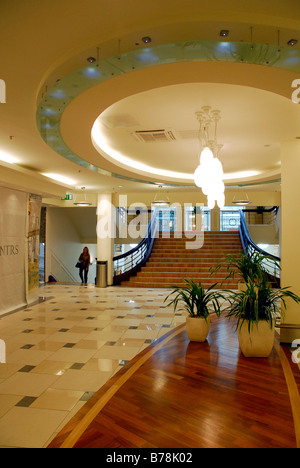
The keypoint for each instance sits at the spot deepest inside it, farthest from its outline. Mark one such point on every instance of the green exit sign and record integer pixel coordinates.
(69, 196)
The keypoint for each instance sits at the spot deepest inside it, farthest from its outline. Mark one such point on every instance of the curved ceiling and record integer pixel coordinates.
(253, 123)
(45, 41)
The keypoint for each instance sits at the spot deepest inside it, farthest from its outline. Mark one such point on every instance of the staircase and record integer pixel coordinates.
(170, 262)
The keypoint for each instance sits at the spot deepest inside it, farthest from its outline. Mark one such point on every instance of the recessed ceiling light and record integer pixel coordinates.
(292, 42)
(146, 39)
(60, 178)
(224, 32)
(91, 59)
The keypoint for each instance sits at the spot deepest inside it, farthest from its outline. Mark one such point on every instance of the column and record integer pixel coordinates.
(106, 233)
(290, 233)
(215, 219)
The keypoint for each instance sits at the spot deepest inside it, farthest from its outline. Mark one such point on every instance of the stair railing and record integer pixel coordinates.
(129, 263)
(271, 263)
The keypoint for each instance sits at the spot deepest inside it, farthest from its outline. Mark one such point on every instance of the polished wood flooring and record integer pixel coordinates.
(180, 394)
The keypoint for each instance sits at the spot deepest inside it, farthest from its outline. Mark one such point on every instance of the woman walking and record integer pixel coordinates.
(85, 261)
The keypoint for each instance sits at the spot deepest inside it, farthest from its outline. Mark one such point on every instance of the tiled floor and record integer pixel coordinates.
(63, 349)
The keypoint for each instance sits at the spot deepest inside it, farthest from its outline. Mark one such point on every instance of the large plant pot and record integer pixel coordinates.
(259, 342)
(197, 328)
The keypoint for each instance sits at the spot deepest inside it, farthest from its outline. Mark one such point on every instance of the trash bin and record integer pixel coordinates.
(101, 275)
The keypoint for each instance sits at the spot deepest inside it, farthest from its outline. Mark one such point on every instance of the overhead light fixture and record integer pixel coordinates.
(160, 199)
(91, 59)
(146, 39)
(292, 42)
(83, 201)
(60, 178)
(241, 200)
(224, 32)
(209, 174)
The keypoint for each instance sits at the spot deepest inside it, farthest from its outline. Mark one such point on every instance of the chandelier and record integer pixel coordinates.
(209, 174)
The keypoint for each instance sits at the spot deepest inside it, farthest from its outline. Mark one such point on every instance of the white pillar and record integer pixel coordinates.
(290, 232)
(106, 233)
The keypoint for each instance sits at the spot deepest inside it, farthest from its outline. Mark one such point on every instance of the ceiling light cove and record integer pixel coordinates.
(104, 146)
(60, 178)
(5, 157)
(100, 143)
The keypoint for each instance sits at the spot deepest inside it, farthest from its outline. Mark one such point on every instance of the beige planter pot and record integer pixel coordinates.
(259, 342)
(197, 328)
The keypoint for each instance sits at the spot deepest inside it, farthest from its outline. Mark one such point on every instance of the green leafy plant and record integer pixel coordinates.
(195, 299)
(258, 302)
(245, 267)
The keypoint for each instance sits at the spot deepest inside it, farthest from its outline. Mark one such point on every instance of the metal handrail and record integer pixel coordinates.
(130, 263)
(271, 263)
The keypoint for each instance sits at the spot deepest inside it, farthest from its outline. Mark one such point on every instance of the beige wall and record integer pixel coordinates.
(290, 249)
(264, 234)
(63, 240)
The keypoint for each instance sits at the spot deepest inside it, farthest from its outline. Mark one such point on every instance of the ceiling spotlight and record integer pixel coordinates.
(224, 33)
(292, 42)
(146, 39)
(91, 59)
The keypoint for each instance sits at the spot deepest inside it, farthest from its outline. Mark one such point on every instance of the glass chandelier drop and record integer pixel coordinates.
(209, 174)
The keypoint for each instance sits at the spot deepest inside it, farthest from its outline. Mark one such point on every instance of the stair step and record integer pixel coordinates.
(208, 234)
(195, 269)
(205, 240)
(132, 284)
(189, 253)
(175, 274)
(182, 277)
(183, 260)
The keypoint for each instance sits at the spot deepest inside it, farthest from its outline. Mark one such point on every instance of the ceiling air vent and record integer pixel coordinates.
(158, 136)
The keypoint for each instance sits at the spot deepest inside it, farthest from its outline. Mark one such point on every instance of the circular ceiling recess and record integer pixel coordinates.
(157, 132)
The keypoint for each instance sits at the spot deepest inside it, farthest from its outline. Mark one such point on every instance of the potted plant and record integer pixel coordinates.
(244, 267)
(199, 303)
(255, 310)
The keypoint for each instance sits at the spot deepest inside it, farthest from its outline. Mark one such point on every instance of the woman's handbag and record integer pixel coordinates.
(78, 265)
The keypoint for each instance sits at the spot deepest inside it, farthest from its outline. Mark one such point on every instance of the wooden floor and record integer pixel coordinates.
(179, 394)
